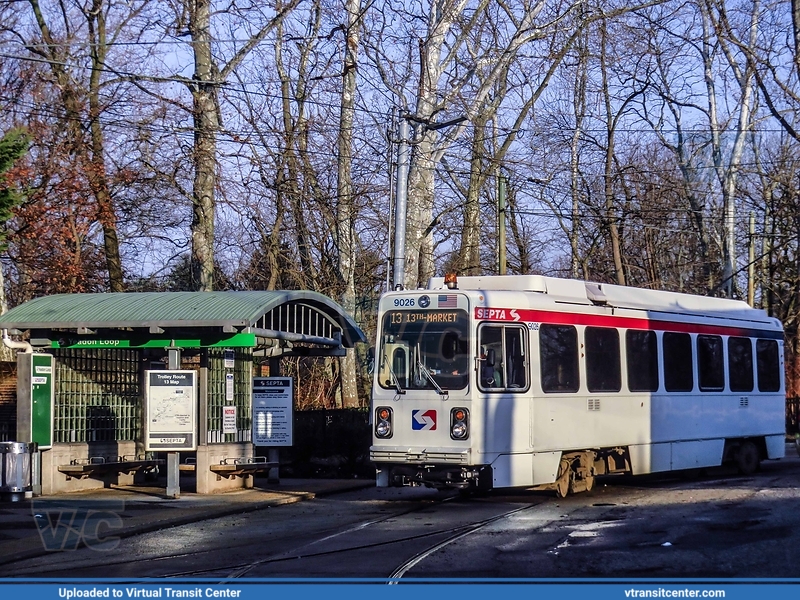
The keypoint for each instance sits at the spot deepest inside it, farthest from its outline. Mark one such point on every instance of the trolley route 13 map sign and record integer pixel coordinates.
(272, 411)
(170, 411)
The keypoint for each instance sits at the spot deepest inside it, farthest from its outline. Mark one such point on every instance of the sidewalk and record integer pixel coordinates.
(137, 509)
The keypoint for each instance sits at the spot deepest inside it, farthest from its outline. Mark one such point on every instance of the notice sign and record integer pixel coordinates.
(272, 411)
(170, 411)
(228, 419)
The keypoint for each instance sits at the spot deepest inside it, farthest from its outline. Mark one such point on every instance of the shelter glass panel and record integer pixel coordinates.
(97, 395)
(229, 387)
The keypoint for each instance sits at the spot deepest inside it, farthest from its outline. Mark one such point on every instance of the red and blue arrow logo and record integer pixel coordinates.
(423, 420)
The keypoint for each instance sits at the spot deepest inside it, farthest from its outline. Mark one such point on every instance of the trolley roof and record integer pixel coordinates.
(576, 292)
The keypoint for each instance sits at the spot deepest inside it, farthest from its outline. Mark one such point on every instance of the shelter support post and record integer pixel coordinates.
(273, 454)
(173, 475)
(173, 458)
(36, 472)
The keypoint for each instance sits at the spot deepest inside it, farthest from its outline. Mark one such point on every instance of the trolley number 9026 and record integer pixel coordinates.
(404, 302)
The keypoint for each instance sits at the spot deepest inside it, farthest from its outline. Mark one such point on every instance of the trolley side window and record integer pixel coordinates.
(678, 375)
(769, 377)
(740, 364)
(515, 356)
(503, 363)
(558, 350)
(603, 372)
(641, 353)
(710, 363)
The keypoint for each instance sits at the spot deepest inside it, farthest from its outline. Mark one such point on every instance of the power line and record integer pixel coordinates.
(244, 85)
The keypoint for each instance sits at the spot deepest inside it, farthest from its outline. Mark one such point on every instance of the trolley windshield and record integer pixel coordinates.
(424, 350)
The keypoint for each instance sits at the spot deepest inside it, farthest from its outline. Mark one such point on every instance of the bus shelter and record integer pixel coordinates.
(103, 346)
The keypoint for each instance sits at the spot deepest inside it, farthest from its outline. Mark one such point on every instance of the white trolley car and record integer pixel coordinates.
(523, 381)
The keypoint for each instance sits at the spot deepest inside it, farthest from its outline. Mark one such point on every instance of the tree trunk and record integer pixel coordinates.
(419, 244)
(94, 161)
(293, 134)
(346, 212)
(98, 181)
(206, 125)
(727, 174)
(579, 103)
(611, 213)
(419, 240)
(469, 256)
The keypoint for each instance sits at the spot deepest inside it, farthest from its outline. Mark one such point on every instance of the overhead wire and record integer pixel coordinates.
(240, 135)
(242, 86)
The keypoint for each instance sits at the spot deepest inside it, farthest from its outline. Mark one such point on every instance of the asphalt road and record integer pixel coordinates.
(715, 524)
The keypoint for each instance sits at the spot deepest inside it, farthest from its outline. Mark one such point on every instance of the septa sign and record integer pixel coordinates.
(423, 420)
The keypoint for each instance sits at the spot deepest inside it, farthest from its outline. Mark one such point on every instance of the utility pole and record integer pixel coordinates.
(729, 250)
(390, 169)
(501, 223)
(401, 205)
(751, 260)
(401, 200)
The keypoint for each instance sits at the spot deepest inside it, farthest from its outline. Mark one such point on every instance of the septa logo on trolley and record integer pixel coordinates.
(497, 314)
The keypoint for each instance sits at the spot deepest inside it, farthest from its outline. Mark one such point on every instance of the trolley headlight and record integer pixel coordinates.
(383, 422)
(459, 423)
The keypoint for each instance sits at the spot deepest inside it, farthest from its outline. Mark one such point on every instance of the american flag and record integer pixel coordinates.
(448, 301)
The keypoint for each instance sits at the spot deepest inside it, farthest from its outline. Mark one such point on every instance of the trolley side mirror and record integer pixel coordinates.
(370, 360)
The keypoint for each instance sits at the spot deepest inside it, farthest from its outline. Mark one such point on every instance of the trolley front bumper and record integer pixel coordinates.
(413, 456)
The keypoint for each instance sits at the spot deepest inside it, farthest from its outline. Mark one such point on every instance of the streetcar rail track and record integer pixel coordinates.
(419, 557)
(236, 567)
(237, 570)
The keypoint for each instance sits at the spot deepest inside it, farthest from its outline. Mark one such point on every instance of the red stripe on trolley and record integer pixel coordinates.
(568, 318)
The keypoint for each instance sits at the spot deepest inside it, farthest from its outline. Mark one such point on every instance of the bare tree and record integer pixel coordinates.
(579, 106)
(204, 86)
(74, 95)
(448, 28)
(346, 211)
(777, 81)
(715, 13)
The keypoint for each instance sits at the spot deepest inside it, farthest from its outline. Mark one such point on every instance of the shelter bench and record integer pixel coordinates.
(243, 465)
(97, 466)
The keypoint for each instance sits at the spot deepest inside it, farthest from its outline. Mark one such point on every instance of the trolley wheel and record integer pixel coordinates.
(589, 483)
(747, 458)
(564, 479)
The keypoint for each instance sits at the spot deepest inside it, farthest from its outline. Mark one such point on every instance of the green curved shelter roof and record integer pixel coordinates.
(183, 310)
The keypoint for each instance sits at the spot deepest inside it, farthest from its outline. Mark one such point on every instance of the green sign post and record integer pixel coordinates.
(35, 395)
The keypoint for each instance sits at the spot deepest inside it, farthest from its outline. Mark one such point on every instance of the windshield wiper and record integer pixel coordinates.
(395, 381)
(424, 370)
